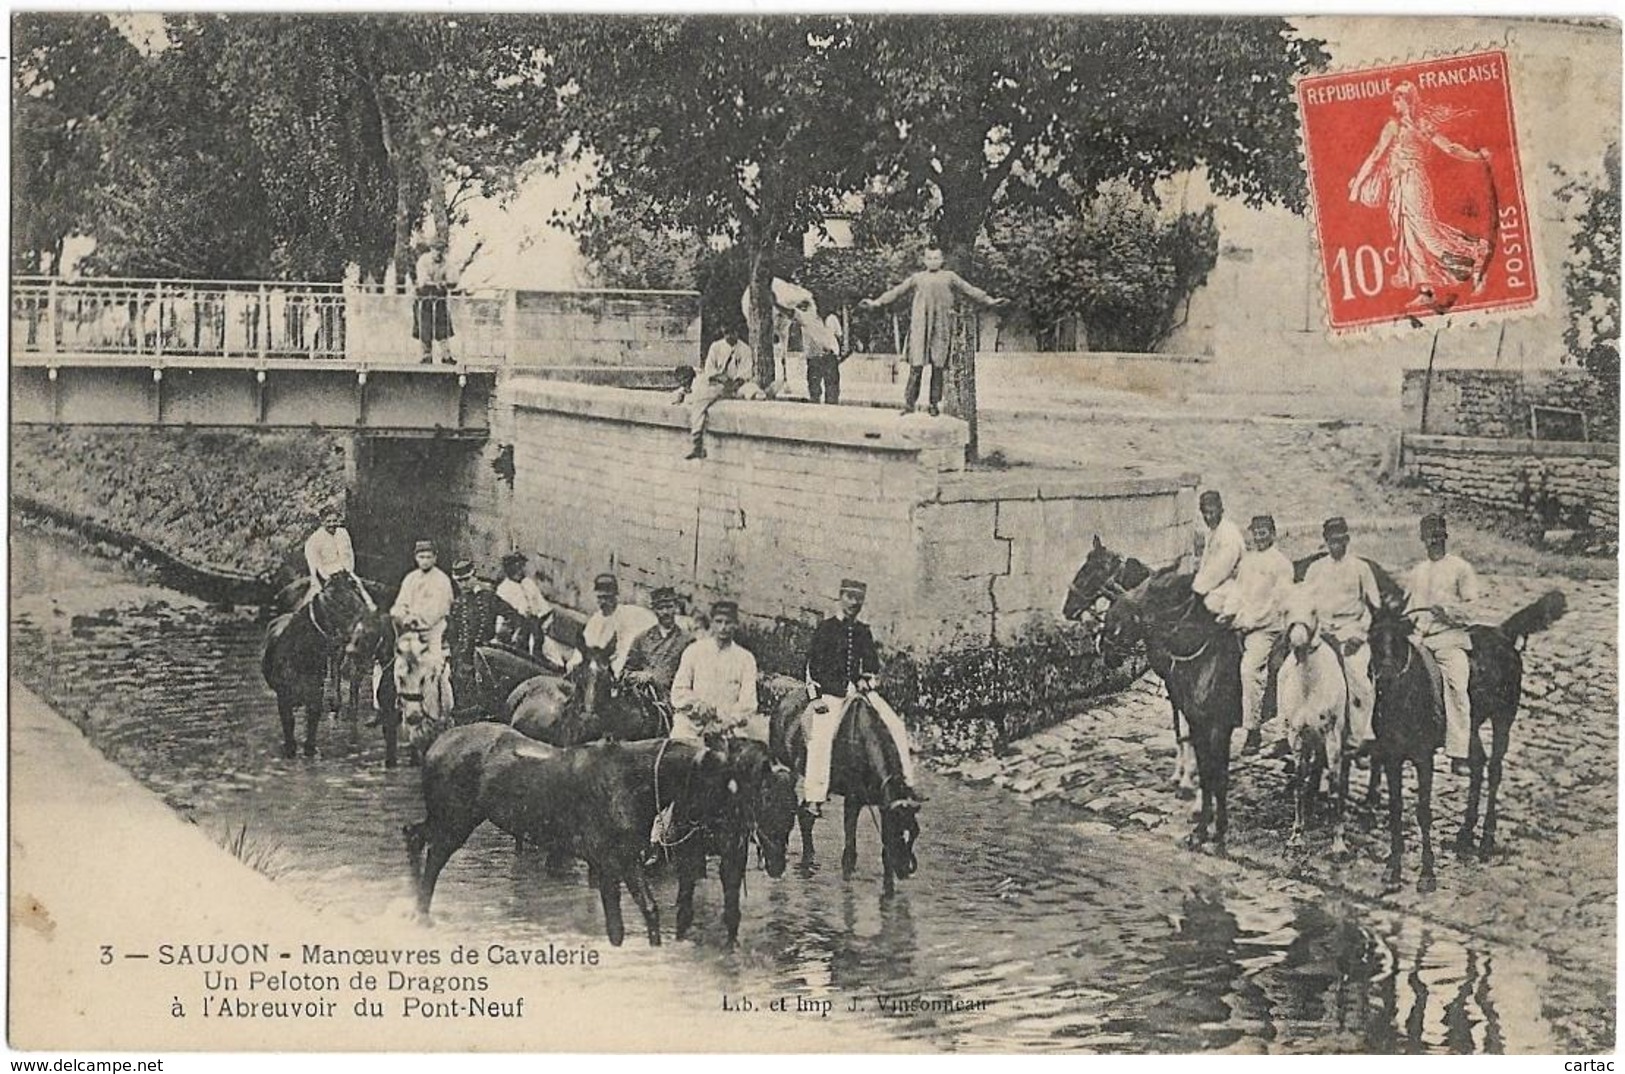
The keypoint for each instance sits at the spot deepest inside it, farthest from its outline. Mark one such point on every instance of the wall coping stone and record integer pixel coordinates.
(1046, 483)
(1483, 445)
(1097, 356)
(845, 426)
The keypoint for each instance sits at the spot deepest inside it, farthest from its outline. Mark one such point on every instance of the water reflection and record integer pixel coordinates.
(1017, 932)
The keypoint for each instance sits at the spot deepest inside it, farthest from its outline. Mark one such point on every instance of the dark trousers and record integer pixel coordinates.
(824, 378)
(911, 391)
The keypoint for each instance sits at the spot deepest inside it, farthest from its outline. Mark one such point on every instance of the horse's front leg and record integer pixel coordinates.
(313, 716)
(687, 877)
(732, 871)
(1501, 734)
(1204, 816)
(805, 821)
(609, 892)
(849, 856)
(1303, 752)
(1395, 771)
(1424, 819)
(637, 882)
(1340, 847)
(1475, 787)
(1219, 757)
(284, 709)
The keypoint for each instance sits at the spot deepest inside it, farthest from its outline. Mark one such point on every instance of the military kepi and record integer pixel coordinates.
(1262, 524)
(1433, 526)
(729, 608)
(1336, 526)
(606, 583)
(663, 597)
(423, 546)
(853, 588)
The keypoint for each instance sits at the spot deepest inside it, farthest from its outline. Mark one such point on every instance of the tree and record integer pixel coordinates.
(1591, 274)
(1119, 266)
(66, 76)
(274, 145)
(737, 128)
(981, 111)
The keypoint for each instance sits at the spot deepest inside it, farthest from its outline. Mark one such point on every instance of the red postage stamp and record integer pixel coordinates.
(1417, 189)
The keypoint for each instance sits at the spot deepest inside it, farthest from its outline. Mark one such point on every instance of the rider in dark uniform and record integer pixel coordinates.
(471, 623)
(653, 657)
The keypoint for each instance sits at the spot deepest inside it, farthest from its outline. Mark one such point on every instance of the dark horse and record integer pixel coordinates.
(598, 802)
(1409, 720)
(1197, 658)
(865, 770)
(370, 651)
(299, 646)
(588, 705)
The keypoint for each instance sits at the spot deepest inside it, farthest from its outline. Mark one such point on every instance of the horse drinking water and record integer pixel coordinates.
(865, 770)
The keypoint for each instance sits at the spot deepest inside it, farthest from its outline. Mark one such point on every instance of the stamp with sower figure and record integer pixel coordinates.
(1417, 189)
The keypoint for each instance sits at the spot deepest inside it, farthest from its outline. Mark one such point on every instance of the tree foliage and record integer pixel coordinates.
(67, 74)
(739, 128)
(1591, 274)
(1125, 270)
(291, 146)
(979, 111)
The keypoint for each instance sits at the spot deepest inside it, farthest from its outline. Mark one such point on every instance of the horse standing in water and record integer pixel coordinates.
(1409, 720)
(299, 646)
(423, 693)
(865, 770)
(599, 803)
(1197, 658)
(1103, 577)
(1313, 700)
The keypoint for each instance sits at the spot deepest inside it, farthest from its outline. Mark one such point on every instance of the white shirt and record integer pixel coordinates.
(425, 596)
(725, 679)
(1345, 591)
(1262, 582)
(1449, 585)
(524, 597)
(329, 553)
(1220, 557)
(725, 362)
(617, 629)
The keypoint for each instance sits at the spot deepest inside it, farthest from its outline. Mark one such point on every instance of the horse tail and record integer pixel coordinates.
(1536, 617)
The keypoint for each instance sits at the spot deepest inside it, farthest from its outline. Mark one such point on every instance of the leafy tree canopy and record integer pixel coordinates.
(1591, 274)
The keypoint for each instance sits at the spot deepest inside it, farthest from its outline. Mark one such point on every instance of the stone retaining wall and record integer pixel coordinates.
(1495, 403)
(1562, 484)
(794, 498)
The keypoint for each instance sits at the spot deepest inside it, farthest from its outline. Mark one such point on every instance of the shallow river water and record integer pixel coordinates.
(1045, 937)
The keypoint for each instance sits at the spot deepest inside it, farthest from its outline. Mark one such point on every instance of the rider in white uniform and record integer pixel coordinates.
(424, 600)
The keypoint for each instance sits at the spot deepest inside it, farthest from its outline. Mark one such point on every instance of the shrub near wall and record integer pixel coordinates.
(239, 502)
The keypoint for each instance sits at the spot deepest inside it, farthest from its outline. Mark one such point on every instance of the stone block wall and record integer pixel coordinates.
(1495, 403)
(610, 328)
(794, 498)
(1563, 484)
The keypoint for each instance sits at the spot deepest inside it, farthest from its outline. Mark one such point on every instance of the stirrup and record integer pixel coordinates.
(813, 809)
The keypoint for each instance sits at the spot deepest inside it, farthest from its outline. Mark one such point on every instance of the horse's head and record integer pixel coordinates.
(1123, 627)
(1302, 620)
(767, 795)
(419, 680)
(1390, 641)
(371, 639)
(1099, 569)
(593, 678)
(899, 829)
(341, 603)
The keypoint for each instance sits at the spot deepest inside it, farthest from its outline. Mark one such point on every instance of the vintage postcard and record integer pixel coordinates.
(805, 533)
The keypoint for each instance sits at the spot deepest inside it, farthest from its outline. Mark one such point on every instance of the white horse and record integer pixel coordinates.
(791, 301)
(423, 692)
(1312, 696)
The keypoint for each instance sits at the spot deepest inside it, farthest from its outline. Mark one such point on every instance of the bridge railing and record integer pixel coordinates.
(324, 321)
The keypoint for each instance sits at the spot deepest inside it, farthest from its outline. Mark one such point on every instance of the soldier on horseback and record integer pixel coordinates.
(522, 610)
(424, 601)
(614, 625)
(328, 550)
(1256, 604)
(1346, 594)
(714, 689)
(842, 664)
(1440, 591)
(1221, 555)
(654, 655)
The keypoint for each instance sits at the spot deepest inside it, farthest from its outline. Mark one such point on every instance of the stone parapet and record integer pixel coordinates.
(1560, 483)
